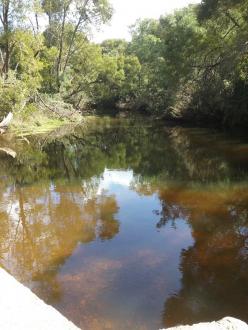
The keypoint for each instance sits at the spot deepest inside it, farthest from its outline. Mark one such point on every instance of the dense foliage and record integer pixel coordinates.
(194, 62)
(43, 48)
(190, 65)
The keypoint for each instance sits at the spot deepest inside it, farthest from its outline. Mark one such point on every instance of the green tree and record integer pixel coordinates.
(78, 15)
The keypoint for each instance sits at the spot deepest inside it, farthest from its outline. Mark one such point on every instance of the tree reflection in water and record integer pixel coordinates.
(215, 269)
(41, 226)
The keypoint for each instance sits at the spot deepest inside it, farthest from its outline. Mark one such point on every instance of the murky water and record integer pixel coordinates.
(129, 225)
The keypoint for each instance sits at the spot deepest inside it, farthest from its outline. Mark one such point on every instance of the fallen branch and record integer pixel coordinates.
(5, 123)
(9, 151)
(47, 106)
(59, 113)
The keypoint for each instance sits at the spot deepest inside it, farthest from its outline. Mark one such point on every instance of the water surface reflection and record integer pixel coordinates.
(129, 225)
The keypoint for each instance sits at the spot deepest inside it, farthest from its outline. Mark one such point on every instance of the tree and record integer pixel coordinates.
(74, 13)
(11, 14)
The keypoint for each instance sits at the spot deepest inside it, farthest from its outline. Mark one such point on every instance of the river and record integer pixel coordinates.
(129, 224)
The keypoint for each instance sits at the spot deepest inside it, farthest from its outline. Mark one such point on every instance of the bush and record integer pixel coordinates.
(13, 95)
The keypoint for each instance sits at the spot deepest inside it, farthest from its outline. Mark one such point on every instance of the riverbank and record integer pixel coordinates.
(43, 116)
(23, 310)
(41, 124)
(46, 125)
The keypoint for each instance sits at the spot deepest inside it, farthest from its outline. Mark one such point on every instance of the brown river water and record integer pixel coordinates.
(129, 224)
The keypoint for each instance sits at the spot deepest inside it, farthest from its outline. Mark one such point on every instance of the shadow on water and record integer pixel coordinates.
(129, 224)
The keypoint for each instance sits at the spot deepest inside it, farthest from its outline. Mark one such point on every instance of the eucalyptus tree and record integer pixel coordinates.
(68, 18)
(20, 49)
(11, 15)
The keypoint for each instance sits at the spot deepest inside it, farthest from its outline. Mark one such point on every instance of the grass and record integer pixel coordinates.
(40, 122)
(38, 127)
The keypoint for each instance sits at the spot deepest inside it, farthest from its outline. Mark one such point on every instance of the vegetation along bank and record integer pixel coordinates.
(191, 65)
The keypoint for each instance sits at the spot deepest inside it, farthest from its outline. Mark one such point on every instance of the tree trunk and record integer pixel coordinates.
(61, 45)
(80, 20)
(6, 46)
